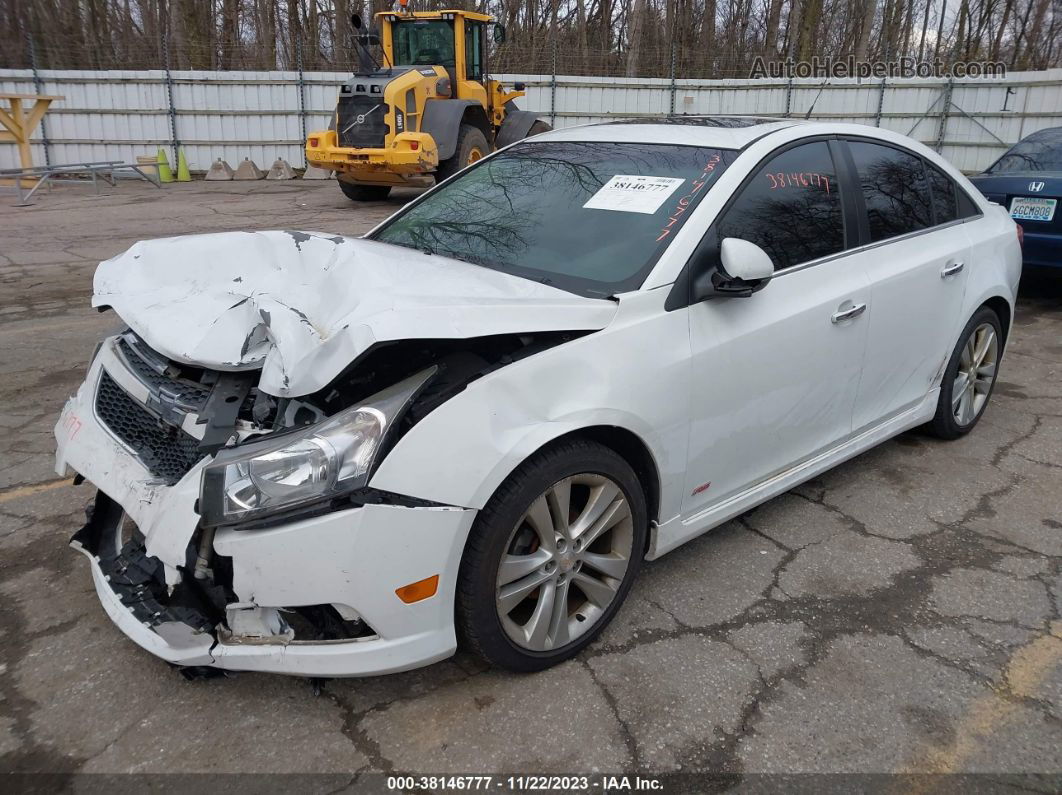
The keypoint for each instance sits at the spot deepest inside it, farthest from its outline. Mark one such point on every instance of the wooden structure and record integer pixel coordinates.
(20, 117)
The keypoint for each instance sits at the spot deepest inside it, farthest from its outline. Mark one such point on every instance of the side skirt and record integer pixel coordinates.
(678, 531)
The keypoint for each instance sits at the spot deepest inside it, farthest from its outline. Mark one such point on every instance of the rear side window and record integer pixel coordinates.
(791, 208)
(945, 208)
(895, 190)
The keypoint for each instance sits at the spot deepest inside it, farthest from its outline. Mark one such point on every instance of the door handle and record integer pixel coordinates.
(951, 270)
(848, 314)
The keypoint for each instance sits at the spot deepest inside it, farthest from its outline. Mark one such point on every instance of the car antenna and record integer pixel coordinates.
(808, 114)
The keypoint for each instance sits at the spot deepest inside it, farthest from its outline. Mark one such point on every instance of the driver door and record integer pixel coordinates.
(775, 375)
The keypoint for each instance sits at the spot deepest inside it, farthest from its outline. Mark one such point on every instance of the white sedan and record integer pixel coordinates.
(332, 456)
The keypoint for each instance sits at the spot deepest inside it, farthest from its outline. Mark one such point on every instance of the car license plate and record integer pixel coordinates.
(1028, 208)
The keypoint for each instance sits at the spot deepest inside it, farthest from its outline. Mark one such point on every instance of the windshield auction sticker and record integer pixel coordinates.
(633, 194)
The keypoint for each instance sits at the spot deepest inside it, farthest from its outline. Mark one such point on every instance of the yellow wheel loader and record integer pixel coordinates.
(427, 110)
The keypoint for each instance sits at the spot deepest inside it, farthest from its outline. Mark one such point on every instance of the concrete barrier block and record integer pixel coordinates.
(281, 169)
(248, 170)
(312, 172)
(219, 170)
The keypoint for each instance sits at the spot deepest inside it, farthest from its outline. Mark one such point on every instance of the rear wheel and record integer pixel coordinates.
(471, 146)
(969, 377)
(364, 193)
(551, 557)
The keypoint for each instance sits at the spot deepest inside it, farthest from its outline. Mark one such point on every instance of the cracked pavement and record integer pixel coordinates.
(899, 614)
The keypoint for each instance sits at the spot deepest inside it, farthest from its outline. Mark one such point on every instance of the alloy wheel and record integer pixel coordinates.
(977, 371)
(564, 562)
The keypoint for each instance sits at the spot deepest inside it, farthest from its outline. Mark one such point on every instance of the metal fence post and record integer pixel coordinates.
(553, 87)
(169, 93)
(881, 103)
(302, 98)
(38, 86)
(672, 77)
(788, 97)
(944, 115)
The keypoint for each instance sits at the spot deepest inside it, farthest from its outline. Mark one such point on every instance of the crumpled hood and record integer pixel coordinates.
(303, 305)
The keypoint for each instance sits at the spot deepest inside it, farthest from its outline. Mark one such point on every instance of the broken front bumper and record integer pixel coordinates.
(352, 560)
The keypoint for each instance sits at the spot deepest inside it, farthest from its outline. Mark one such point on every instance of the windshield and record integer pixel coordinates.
(424, 42)
(1041, 151)
(590, 218)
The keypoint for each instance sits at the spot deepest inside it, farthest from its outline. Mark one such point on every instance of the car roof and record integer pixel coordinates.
(722, 132)
(1046, 134)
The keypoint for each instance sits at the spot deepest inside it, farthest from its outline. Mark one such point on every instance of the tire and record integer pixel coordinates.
(958, 408)
(496, 616)
(364, 193)
(538, 127)
(471, 146)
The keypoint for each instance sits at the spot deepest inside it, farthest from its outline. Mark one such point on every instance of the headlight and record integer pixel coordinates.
(318, 462)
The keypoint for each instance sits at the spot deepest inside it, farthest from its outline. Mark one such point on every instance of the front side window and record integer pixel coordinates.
(587, 217)
(424, 42)
(791, 208)
(473, 50)
(894, 189)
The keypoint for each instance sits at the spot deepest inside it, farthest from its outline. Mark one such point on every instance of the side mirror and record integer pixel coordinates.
(499, 33)
(745, 261)
(741, 269)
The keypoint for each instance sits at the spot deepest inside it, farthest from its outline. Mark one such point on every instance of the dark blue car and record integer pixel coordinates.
(1027, 180)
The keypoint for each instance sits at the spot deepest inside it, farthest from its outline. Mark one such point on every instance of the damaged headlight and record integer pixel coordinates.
(318, 462)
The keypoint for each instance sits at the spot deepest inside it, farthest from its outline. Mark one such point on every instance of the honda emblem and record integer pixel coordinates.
(1036, 187)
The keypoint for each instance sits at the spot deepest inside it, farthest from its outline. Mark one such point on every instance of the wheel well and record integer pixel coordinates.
(477, 117)
(1002, 309)
(634, 451)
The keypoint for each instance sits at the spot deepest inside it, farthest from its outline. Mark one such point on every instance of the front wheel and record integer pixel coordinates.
(969, 377)
(364, 193)
(551, 557)
(471, 146)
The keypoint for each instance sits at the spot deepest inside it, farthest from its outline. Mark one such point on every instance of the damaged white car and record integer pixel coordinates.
(333, 456)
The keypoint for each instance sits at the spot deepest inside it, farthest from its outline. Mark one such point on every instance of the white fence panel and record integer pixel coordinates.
(117, 115)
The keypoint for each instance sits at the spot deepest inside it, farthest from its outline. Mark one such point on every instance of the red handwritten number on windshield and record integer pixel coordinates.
(682, 204)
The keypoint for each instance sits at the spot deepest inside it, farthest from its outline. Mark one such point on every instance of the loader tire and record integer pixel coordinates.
(471, 146)
(364, 193)
(538, 127)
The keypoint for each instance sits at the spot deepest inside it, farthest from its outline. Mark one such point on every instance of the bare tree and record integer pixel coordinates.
(706, 38)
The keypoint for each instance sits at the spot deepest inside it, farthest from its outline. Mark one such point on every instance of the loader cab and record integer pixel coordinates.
(453, 39)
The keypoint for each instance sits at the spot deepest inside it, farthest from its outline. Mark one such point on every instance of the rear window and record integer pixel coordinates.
(590, 218)
(1041, 151)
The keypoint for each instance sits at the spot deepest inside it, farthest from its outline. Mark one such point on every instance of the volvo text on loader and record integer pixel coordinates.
(429, 109)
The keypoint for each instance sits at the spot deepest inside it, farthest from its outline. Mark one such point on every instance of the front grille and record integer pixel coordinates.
(166, 451)
(361, 121)
(187, 394)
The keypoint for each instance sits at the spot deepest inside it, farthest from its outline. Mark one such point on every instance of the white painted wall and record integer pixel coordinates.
(117, 115)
